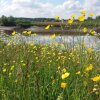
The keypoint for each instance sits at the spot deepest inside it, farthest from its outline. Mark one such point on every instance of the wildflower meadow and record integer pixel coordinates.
(31, 71)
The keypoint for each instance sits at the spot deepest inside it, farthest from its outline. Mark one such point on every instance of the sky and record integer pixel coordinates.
(48, 8)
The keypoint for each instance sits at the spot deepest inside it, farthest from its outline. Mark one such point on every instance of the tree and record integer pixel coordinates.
(11, 21)
(98, 17)
(23, 23)
(7, 21)
(4, 20)
(89, 18)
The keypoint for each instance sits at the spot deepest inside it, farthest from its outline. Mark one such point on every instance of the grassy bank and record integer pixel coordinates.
(42, 72)
(50, 72)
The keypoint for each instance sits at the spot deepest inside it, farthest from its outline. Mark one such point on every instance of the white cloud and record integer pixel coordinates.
(35, 8)
(92, 6)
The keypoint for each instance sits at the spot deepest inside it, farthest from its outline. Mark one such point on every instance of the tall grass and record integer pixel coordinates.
(47, 72)
(33, 72)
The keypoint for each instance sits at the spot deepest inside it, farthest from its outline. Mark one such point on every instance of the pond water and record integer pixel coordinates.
(91, 41)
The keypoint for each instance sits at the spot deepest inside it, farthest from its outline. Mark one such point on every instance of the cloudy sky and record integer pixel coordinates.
(47, 8)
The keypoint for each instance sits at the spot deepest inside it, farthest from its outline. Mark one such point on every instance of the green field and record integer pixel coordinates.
(35, 72)
(50, 72)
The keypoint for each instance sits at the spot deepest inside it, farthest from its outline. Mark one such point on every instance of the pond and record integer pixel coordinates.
(71, 40)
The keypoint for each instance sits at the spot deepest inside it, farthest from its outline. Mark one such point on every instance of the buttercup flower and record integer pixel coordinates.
(35, 34)
(29, 32)
(78, 72)
(89, 68)
(81, 18)
(57, 17)
(91, 14)
(83, 12)
(89, 50)
(92, 32)
(70, 21)
(63, 85)
(53, 36)
(84, 29)
(73, 16)
(47, 27)
(96, 78)
(13, 33)
(65, 75)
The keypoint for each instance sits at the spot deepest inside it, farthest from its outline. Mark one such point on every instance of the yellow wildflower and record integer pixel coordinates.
(83, 12)
(35, 34)
(73, 15)
(65, 75)
(9, 43)
(70, 21)
(89, 50)
(84, 44)
(96, 78)
(12, 67)
(63, 85)
(4, 70)
(92, 32)
(91, 14)
(58, 67)
(89, 68)
(94, 89)
(81, 18)
(29, 32)
(84, 29)
(13, 33)
(97, 93)
(31, 44)
(53, 36)
(64, 70)
(24, 32)
(57, 17)
(78, 72)
(47, 27)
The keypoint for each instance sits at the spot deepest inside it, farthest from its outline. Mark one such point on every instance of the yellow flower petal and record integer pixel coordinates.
(78, 72)
(96, 78)
(84, 29)
(13, 33)
(29, 32)
(91, 14)
(53, 36)
(63, 85)
(57, 17)
(81, 18)
(89, 50)
(70, 21)
(47, 27)
(83, 12)
(89, 68)
(65, 75)
(92, 32)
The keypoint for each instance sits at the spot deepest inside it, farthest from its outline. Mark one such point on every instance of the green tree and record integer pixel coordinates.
(23, 23)
(7, 21)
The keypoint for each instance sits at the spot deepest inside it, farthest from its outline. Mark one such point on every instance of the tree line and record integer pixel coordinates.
(27, 22)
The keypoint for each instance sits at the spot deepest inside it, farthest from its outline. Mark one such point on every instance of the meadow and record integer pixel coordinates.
(46, 72)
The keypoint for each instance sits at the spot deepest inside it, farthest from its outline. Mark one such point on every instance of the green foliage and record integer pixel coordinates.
(23, 23)
(7, 21)
(33, 72)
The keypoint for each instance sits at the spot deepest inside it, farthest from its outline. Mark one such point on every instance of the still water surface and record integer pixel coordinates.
(91, 41)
